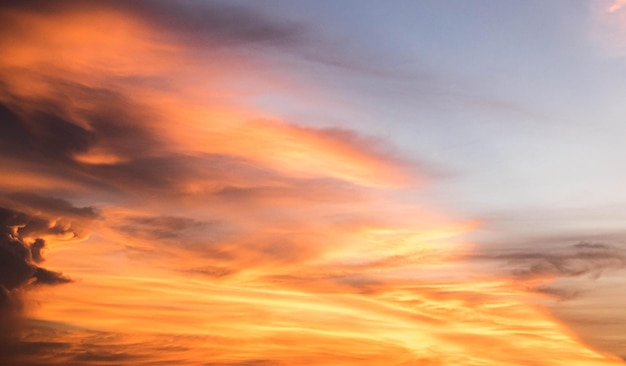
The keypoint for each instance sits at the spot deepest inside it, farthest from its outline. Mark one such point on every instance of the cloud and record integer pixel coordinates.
(214, 217)
(36, 250)
(608, 26)
(126, 117)
(193, 22)
(19, 271)
(19, 258)
(581, 259)
(571, 281)
(550, 266)
(25, 228)
(43, 217)
(161, 226)
(125, 122)
(616, 6)
(52, 205)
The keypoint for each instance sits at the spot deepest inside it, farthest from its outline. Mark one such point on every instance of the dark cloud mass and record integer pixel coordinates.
(19, 270)
(18, 258)
(40, 132)
(36, 249)
(22, 237)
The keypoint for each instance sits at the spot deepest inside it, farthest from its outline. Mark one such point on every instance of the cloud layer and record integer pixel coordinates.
(199, 228)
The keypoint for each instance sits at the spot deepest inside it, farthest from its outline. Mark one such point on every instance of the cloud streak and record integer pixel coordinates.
(616, 6)
(581, 259)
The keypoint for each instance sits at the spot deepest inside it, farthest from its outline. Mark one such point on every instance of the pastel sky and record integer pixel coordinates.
(282, 182)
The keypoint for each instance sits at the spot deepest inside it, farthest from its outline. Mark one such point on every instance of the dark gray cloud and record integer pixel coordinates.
(19, 271)
(18, 259)
(584, 258)
(36, 250)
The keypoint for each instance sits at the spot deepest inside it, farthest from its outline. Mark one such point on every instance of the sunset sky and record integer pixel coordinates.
(279, 182)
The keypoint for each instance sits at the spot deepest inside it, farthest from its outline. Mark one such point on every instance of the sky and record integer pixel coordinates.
(277, 182)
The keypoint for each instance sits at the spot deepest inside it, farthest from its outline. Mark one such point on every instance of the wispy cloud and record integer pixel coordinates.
(608, 26)
(582, 259)
(616, 6)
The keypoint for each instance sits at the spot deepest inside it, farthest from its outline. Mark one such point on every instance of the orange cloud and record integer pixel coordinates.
(183, 99)
(444, 323)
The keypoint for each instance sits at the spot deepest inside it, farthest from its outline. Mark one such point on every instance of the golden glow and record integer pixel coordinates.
(446, 323)
(98, 158)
